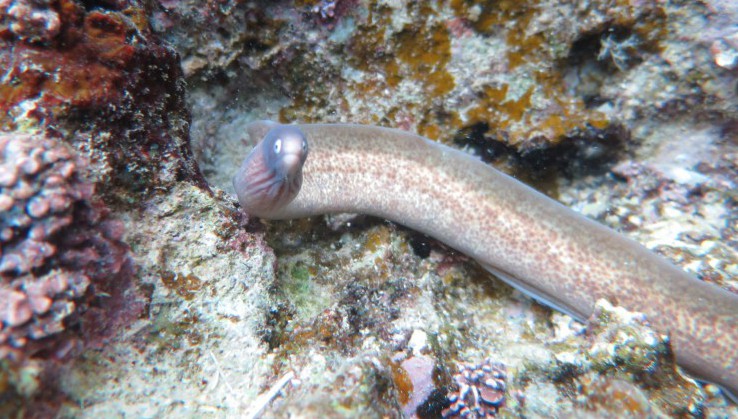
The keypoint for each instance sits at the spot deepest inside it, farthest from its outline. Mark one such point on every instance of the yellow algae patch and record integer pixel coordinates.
(426, 51)
(544, 110)
(186, 286)
(417, 52)
(377, 239)
(487, 15)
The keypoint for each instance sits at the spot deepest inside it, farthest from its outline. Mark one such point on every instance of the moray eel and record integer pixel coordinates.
(530, 241)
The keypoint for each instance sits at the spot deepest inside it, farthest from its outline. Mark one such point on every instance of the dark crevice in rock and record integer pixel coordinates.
(584, 151)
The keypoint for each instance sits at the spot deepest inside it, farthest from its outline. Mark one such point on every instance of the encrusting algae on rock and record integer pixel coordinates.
(529, 64)
(96, 75)
(317, 318)
(519, 101)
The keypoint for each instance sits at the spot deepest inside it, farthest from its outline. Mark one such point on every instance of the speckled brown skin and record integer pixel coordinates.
(531, 241)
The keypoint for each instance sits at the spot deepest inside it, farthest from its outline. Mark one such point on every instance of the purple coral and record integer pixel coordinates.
(55, 245)
(480, 391)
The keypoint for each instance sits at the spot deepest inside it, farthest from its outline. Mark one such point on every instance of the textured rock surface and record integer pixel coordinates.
(630, 101)
(624, 110)
(93, 120)
(101, 78)
(198, 349)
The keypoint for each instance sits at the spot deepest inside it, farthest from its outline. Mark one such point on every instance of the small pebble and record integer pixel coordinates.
(23, 190)
(59, 202)
(67, 169)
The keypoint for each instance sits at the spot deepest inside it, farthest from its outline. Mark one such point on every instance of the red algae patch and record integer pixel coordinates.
(80, 65)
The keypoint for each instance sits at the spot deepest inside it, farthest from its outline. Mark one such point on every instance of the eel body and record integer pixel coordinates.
(530, 241)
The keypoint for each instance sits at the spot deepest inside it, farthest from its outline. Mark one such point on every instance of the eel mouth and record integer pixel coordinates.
(292, 163)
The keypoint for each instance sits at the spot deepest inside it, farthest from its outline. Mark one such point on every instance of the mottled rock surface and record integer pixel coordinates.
(624, 110)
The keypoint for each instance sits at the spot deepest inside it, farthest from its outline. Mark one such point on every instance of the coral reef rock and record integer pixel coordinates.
(59, 251)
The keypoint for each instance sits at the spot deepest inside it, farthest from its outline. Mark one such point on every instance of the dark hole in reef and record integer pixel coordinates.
(433, 405)
(594, 46)
(587, 47)
(488, 148)
(255, 45)
(223, 33)
(586, 150)
(421, 245)
(101, 4)
(595, 57)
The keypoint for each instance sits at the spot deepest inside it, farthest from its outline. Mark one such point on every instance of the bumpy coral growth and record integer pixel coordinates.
(480, 391)
(55, 244)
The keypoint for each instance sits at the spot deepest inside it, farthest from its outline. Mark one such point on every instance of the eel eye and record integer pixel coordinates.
(278, 146)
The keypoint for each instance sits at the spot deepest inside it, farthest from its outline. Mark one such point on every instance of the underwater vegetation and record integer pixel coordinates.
(132, 285)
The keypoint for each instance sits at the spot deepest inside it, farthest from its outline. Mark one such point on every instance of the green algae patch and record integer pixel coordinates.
(300, 289)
